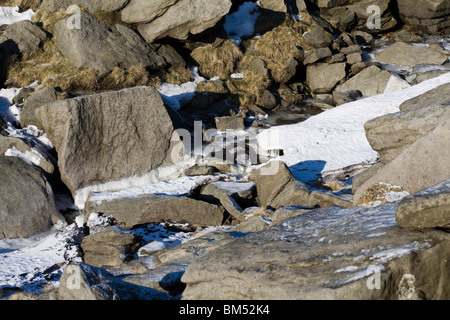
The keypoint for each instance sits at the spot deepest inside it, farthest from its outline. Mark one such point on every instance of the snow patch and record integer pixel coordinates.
(9, 15)
(241, 23)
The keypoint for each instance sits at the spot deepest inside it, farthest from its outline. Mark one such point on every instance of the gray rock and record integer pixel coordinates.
(390, 134)
(284, 213)
(331, 3)
(268, 100)
(27, 206)
(34, 101)
(354, 58)
(410, 55)
(323, 77)
(112, 132)
(370, 81)
(111, 246)
(316, 55)
(437, 96)
(326, 199)
(85, 282)
(229, 123)
(197, 170)
(339, 57)
(232, 207)
(386, 17)
(318, 37)
(428, 208)
(130, 212)
(293, 193)
(242, 192)
(423, 164)
(252, 224)
(26, 35)
(430, 16)
(102, 47)
(328, 253)
(92, 6)
(181, 18)
(351, 49)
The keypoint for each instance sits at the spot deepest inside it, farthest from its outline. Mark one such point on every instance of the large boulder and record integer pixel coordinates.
(27, 206)
(174, 18)
(81, 281)
(129, 212)
(103, 47)
(432, 16)
(429, 208)
(410, 55)
(421, 165)
(26, 35)
(323, 77)
(327, 253)
(435, 97)
(109, 136)
(34, 101)
(370, 81)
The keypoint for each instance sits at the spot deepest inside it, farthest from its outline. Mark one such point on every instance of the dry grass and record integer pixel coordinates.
(217, 59)
(378, 194)
(249, 89)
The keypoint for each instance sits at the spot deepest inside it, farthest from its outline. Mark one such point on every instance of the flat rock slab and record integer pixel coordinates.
(328, 253)
(411, 55)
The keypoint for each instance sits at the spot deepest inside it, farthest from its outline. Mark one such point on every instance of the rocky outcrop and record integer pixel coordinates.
(27, 206)
(411, 55)
(430, 16)
(112, 134)
(130, 212)
(91, 6)
(326, 253)
(174, 18)
(429, 208)
(26, 35)
(120, 46)
(370, 81)
(322, 77)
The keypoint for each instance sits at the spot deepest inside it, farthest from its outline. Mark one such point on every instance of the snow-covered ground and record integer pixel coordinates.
(10, 15)
(336, 138)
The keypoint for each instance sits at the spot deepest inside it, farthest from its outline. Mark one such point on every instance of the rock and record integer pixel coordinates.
(129, 212)
(341, 97)
(354, 58)
(197, 170)
(342, 18)
(230, 123)
(27, 206)
(111, 246)
(316, 55)
(268, 100)
(92, 6)
(85, 282)
(435, 97)
(26, 35)
(325, 199)
(112, 132)
(370, 81)
(180, 19)
(382, 10)
(284, 213)
(331, 3)
(339, 57)
(30, 151)
(410, 55)
(34, 101)
(252, 224)
(390, 134)
(327, 253)
(430, 16)
(421, 165)
(362, 37)
(351, 49)
(232, 207)
(274, 5)
(407, 37)
(293, 193)
(429, 208)
(242, 192)
(318, 37)
(322, 77)
(120, 46)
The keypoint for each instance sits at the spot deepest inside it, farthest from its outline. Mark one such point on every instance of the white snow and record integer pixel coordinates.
(10, 15)
(30, 157)
(336, 138)
(241, 23)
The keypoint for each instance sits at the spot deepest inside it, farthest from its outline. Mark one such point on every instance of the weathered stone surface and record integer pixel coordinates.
(36, 100)
(382, 9)
(102, 47)
(423, 164)
(325, 199)
(293, 193)
(129, 212)
(370, 81)
(182, 18)
(390, 134)
(316, 55)
(428, 208)
(85, 282)
(318, 37)
(230, 123)
(26, 35)
(27, 206)
(341, 97)
(328, 253)
(109, 247)
(410, 55)
(112, 134)
(354, 58)
(437, 96)
(92, 6)
(287, 212)
(323, 77)
(431, 16)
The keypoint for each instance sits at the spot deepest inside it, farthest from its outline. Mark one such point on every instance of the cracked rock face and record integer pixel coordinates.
(327, 253)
